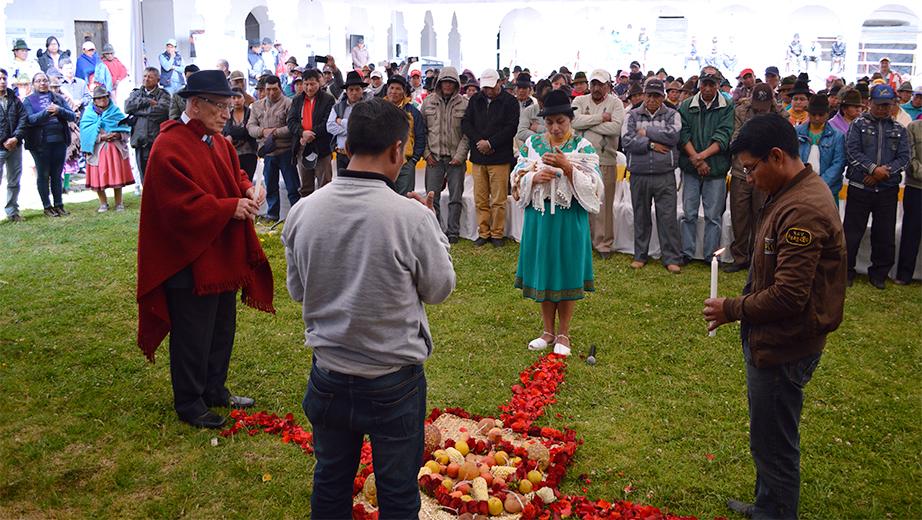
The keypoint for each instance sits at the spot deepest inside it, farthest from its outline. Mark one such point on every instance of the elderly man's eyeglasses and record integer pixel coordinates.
(221, 106)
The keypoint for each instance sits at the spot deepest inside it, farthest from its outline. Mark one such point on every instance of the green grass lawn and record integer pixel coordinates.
(88, 429)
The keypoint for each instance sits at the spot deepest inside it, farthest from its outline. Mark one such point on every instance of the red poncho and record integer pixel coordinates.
(190, 196)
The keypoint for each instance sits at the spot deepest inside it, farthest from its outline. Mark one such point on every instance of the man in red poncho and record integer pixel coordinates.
(196, 247)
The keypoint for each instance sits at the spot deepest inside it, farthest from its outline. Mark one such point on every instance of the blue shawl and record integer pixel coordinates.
(93, 120)
(86, 66)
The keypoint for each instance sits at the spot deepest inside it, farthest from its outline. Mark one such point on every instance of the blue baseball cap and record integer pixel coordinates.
(883, 95)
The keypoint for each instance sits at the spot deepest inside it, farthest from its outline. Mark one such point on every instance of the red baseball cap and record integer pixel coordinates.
(415, 73)
(747, 71)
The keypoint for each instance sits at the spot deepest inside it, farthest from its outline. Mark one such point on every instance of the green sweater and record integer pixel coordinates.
(702, 129)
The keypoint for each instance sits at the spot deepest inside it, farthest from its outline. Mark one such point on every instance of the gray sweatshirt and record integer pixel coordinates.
(363, 260)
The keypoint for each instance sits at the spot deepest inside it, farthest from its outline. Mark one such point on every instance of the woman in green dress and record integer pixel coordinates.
(555, 257)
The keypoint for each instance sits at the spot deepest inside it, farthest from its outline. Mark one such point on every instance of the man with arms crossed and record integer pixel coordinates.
(369, 331)
(794, 297)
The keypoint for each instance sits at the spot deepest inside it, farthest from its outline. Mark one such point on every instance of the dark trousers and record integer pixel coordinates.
(776, 400)
(406, 179)
(317, 177)
(342, 162)
(862, 204)
(49, 164)
(141, 155)
(436, 177)
(248, 163)
(746, 203)
(658, 189)
(201, 340)
(390, 409)
(911, 234)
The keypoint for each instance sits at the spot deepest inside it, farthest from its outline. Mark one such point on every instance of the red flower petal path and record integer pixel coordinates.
(538, 389)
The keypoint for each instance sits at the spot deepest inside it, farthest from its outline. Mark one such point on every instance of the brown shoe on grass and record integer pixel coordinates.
(637, 265)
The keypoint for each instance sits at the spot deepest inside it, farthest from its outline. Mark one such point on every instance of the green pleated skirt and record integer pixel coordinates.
(555, 256)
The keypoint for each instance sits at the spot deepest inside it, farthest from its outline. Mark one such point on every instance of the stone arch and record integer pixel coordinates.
(514, 44)
(257, 24)
(892, 31)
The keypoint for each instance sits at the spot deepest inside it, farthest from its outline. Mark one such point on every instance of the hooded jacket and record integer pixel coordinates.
(704, 128)
(443, 120)
(496, 121)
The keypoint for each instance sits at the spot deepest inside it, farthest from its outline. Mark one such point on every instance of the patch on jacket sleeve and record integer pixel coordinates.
(798, 237)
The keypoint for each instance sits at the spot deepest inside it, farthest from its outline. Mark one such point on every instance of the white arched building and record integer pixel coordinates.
(542, 35)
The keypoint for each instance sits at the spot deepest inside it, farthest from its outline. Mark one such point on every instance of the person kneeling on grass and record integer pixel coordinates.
(104, 138)
(555, 258)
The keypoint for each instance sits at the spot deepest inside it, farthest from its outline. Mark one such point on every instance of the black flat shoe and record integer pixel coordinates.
(740, 507)
(480, 241)
(208, 419)
(735, 268)
(498, 242)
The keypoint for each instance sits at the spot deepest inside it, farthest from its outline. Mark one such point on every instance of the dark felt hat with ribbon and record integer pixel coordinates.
(556, 102)
(207, 82)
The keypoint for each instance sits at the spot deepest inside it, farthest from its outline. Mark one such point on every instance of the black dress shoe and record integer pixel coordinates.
(878, 284)
(238, 401)
(480, 241)
(740, 507)
(61, 211)
(452, 240)
(208, 419)
(849, 282)
(498, 242)
(735, 268)
(684, 261)
(605, 255)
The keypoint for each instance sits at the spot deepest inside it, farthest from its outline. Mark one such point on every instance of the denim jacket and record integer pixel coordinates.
(832, 153)
(873, 142)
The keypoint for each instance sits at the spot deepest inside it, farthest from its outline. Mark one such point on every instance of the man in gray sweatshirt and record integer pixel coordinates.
(363, 279)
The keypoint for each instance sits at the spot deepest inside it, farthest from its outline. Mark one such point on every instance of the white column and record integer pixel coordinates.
(413, 19)
(284, 13)
(214, 44)
(338, 16)
(478, 30)
(441, 23)
(379, 16)
(120, 33)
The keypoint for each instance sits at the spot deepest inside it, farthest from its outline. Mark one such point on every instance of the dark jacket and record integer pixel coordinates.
(13, 119)
(872, 142)
(703, 129)
(149, 117)
(35, 122)
(323, 140)
(496, 122)
(796, 292)
(44, 60)
(239, 133)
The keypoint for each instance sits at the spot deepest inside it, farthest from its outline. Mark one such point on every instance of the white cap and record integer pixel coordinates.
(600, 75)
(489, 78)
(377, 74)
(917, 91)
(87, 45)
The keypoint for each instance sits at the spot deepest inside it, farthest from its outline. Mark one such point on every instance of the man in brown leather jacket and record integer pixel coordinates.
(794, 297)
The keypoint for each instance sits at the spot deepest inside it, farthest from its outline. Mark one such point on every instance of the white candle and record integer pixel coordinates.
(259, 185)
(553, 193)
(715, 263)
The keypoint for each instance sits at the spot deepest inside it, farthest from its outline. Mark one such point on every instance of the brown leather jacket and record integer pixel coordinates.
(796, 291)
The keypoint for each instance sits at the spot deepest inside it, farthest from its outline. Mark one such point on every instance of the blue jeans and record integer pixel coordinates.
(273, 165)
(49, 164)
(391, 410)
(435, 176)
(776, 399)
(712, 193)
(12, 161)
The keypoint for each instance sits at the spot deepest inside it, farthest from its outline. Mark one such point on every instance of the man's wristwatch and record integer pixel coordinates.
(652, 145)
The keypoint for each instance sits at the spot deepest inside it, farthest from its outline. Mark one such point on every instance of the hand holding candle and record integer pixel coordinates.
(715, 264)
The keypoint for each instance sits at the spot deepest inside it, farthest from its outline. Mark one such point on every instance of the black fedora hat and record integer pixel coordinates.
(354, 78)
(207, 82)
(819, 103)
(397, 78)
(800, 87)
(556, 102)
(523, 80)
